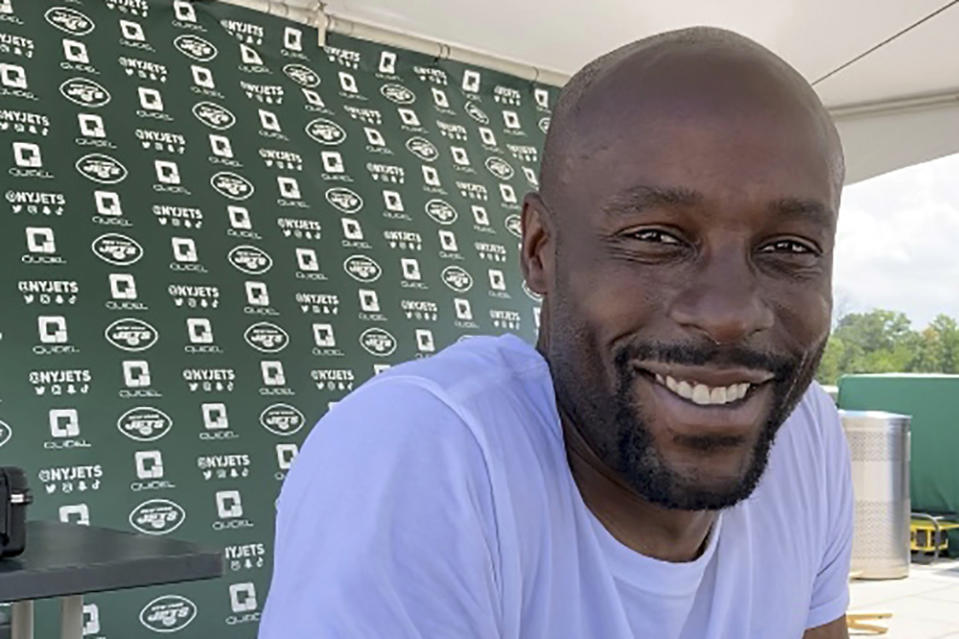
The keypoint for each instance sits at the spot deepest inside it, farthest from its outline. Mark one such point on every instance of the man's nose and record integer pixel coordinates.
(723, 302)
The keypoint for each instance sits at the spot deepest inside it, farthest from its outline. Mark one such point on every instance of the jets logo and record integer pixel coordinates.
(500, 168)
(514, 225)
(457, 279)
(214, 115)
(266, 337)
(131, 334)
(378, 342)
(157, 517)
(231, 185)
(101, 168)
(117, 249)
(325, 131)
(397, 93)
(304, 76)
(441, 212)
(69, 20)
(84, 92)
(344, 200)
(282, 419)
(144, 423)
(195, 47)
(170, 613)
(422, 148)
(543, 124)
(362, 268)
(5, 433)
(251, 260)
(476, 113)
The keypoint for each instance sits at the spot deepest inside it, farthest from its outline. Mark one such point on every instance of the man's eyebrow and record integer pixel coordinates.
(639, 198)
(812, 210)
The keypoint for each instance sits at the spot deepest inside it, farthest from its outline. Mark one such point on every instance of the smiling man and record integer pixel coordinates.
(660, 464)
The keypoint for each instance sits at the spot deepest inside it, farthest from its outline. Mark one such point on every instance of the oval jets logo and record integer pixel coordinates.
(282, 419)
(231, 185)
(378, 342)
(362, 268)
(101, 168)
(397, 93)
(131, 334)
(144, 424)
(325, 131)
(195, 47)
(476, 113)
(157, 517)
(457, 279)
(251, 260)
(117, 249)
(302, 75)
(441, 212)
(499, 167)
(514, 225)
(69, 20)
(169, 613)
(344, 200)
(266, 337)
(214, 115)
(544, 124)
(536, 297)
(422, 148)
(5, 432)
(84, 92)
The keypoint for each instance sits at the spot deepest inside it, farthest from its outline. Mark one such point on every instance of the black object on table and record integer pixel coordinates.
(68, 561)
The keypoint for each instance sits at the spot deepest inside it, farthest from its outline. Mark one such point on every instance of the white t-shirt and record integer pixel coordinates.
(436, 502)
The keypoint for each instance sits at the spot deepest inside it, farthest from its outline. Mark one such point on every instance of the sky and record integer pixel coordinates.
(897, 243)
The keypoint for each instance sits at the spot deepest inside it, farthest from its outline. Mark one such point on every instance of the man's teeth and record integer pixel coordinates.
(702, 394)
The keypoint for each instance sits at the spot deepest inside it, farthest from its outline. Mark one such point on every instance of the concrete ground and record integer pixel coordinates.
(925, 605)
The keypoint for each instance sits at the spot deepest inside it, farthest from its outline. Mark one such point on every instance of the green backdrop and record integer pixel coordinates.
(212, 229)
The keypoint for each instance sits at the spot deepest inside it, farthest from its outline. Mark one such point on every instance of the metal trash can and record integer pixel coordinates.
(879, 446)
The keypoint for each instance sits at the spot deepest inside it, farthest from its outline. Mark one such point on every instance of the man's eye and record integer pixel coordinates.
(787, 246)
(653, 235)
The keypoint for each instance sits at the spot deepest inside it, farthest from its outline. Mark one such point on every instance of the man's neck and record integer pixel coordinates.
(649, 529)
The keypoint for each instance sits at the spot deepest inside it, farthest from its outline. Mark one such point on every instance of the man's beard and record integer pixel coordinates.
(631, 450)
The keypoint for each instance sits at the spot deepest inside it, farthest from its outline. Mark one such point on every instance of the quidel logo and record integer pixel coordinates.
(362, 268)
(302, 75)
(101, 168)
(325, 131)
(231, 185)
(157, 517)
(441, 212)
(457, 279)
(69, 21)
(344, 200)
(250, 259)
(378, 342)
(5, 433)
(84, 92)
(397, 93)
(213, 115)
(144, 424)
(266, 337)
(118, 249)
(131, 334)
(193, 46)
(169, 613)
(282, 419)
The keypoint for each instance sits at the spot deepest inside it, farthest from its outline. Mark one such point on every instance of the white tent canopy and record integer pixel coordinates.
(887, 69)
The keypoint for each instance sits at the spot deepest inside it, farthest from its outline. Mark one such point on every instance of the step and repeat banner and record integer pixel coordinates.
(213, 230)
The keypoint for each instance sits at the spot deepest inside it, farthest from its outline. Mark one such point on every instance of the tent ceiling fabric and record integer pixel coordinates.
(815, 36)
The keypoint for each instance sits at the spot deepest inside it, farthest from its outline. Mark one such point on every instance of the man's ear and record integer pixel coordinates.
(537, 249)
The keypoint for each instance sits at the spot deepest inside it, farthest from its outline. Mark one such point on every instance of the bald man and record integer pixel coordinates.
(661, 465)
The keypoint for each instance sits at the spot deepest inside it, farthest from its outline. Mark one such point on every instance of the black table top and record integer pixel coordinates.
(67, 559)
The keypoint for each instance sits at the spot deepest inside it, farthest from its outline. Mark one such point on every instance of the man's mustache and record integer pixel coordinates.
(699, 354)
